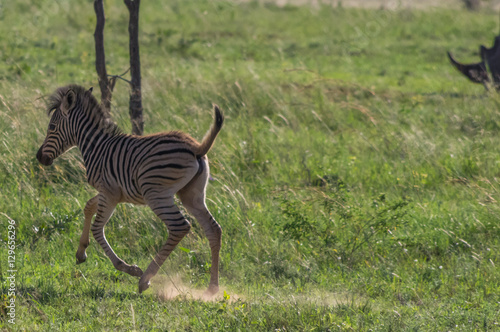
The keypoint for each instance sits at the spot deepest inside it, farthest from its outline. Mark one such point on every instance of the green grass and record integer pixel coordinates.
(356, 178)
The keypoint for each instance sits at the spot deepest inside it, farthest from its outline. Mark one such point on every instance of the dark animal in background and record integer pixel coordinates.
(477, 72)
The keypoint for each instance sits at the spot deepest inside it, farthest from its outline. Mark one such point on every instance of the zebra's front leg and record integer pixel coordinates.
(178, 227)
(105, 209)
(89, 211)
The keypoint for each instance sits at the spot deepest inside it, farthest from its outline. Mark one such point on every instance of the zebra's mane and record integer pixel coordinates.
(88, 104)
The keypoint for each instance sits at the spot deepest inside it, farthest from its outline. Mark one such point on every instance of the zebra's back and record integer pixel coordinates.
(137, 166)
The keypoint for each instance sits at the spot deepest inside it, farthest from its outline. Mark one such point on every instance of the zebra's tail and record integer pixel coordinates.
(209, 138)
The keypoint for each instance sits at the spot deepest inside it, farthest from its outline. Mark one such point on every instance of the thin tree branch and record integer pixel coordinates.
(126, 71)
(119, 76)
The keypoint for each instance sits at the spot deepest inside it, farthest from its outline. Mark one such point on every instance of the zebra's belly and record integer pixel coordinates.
(129, 195)
(134, 200)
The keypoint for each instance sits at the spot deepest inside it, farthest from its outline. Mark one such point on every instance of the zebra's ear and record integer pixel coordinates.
(67, 102)
(91, 89)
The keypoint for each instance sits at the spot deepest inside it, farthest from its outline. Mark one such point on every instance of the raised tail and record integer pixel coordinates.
(209, 138)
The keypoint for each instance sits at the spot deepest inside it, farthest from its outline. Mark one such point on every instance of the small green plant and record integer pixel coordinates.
(346, 229)
(53, 223)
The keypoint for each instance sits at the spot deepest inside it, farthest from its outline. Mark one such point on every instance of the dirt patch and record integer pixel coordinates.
(389, 4)
(169, 288)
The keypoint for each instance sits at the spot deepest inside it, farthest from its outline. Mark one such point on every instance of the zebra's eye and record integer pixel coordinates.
(52, 127)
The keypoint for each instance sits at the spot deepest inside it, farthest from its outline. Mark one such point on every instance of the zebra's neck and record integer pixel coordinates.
(91, 137)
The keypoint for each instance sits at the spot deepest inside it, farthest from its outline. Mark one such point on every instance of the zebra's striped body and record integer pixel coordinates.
(137, 165)
(141, 170)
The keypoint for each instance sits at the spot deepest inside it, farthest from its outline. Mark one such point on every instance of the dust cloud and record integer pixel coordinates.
(172, 287)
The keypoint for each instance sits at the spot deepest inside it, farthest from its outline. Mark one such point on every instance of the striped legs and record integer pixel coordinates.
(105, 209)
(193, 199)
(178, 227)
(89, 211)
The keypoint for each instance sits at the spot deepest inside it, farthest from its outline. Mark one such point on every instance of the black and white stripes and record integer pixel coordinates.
(141, 170)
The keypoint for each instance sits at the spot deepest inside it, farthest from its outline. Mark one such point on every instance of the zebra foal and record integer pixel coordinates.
(135, 169)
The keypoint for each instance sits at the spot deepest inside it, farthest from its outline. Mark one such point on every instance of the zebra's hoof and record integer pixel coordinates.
(135, 271)
(80, 258)
(143, 287)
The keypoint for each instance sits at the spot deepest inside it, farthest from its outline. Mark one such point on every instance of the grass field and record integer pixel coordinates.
(356, 179)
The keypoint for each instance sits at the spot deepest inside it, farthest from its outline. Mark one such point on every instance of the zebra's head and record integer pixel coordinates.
(59, 134)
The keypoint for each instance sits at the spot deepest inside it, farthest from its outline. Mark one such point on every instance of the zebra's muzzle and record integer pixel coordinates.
(43, 158)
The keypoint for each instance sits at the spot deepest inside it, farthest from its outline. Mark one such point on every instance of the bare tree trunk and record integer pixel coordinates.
(472, 4)
(105, 84)
(135, 103)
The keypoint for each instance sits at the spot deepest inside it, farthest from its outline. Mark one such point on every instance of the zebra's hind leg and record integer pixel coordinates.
(193, 199)
(178, 227)
(105, 209)
(89, 211)
(213, 233)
